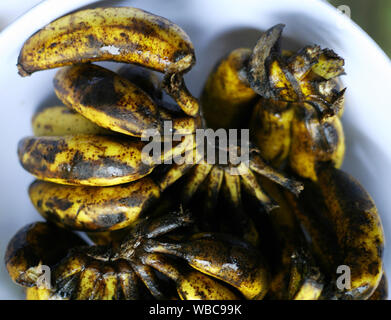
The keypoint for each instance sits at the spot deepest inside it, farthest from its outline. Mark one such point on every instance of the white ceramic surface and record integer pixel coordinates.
(215, 27)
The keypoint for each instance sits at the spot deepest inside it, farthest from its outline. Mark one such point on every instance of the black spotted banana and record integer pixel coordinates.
(227, 98)
(191, 284)
(115, 103)
(345, 228)
(93, 209)
(85, 159)
(225, 258)
(32, 246)
(121, 34)
(61, 121)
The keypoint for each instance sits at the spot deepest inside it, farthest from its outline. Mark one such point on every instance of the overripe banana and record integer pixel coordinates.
(227, 98)
(35, 245)
(343, 223)
(84, 159)
(93, 209)
(121, 34)
(225, 258)
(62, 121)
(191, 284)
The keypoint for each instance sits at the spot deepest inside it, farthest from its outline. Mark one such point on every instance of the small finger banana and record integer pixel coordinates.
(121, 34)
(191, 284)
(84, 159)
(227, 98)
(231, 261)
(61, 121)
(343, 223)
(270, 128)
(93, 209)
(32, 246)
(105, 98)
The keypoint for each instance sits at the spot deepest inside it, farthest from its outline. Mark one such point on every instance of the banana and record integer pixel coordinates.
(314, 141)
(61, 121)
(191, 285)
(105, 98)
(35, 293)
(224, 258)
(121, 34)
(32, 246)
(298, 116)
(93, 209)
(270, 128)
(227, 98)
(84, 159)
(343, 223)
(358, 226)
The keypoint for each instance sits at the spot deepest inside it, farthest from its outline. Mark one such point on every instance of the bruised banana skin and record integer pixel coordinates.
(121, 34)
(84, 159)
(314, 142)
(358, 226)
(231, 261)
(105, 98)
(227, 98)
(93, 209)
(61, 121)
(32, 246)
(191, 284)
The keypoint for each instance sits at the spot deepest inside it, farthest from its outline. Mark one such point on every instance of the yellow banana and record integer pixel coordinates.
(358, 227)
(270, 128)
(35, 293)
(314, 141)
(231, 261)
(32, 247)
(191, 285)
(61, 121)
(84, 159)
(342, 221)
(93, 209)
(227, 98)
(121, 34)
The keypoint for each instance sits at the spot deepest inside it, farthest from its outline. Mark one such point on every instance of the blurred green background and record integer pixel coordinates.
(374, 16)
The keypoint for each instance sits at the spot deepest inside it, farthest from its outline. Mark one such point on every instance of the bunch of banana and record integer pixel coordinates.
(293, 97)
(99, 272)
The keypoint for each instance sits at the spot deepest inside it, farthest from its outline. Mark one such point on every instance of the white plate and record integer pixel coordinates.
(215, 27)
